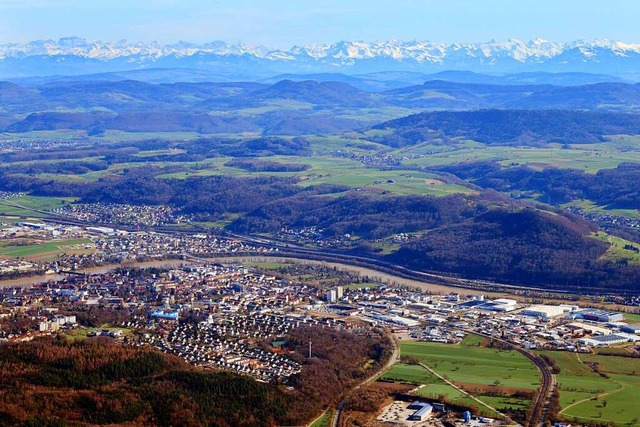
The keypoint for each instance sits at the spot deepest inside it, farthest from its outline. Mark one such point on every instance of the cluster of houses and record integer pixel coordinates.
(228, 342)
(108, 246)
(238, 307)
(6, 195)
(123, 214)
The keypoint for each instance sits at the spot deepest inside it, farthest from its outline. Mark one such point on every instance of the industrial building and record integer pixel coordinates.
(597, 315)
(544, 311)
(631, 329)
(589, 329)
(422, 413)
(606, 340)
(501, 305)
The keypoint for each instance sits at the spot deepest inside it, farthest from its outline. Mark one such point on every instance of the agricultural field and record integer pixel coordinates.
(45, 250)
(430, 386)
(500, 378)
(590, 158)
(476, 366)
(609, 397)
(337, 171)
(24, 206)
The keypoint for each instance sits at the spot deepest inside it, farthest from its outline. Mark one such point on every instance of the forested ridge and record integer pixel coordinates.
(510, 127)
(96, 382)
(484, 235)
(615, 188)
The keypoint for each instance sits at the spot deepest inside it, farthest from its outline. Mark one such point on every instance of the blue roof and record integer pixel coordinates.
(173, 315)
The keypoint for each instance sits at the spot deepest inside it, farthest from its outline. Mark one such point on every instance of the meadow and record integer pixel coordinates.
(499, 378)
(476, 366)
(617, 249)
(608, 398)
(589, 157)
(430, 386)
(24, 206)
(40, 250)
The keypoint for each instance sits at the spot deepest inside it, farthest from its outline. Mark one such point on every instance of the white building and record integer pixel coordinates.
(501, 305)
(544, 311)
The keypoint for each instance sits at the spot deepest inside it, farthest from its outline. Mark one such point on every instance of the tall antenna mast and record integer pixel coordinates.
(309, 349)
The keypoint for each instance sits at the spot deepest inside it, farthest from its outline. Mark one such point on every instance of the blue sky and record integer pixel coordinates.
(283, 23)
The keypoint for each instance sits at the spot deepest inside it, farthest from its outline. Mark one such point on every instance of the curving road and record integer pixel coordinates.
(547, 383)
(293, 250)
(395, 356)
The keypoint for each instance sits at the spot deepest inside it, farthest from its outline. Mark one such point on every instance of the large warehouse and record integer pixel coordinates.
(544, 311)
(597, 315)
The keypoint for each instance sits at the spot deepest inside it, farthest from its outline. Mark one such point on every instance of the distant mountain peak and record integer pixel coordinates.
(512, 55)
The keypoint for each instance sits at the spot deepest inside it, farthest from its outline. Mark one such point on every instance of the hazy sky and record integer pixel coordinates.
(283, 23)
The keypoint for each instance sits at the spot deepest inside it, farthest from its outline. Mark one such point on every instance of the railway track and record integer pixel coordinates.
(333, 256)
(539, 408)
(547, 384)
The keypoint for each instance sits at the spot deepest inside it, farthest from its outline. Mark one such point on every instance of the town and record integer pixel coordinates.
(236, 317)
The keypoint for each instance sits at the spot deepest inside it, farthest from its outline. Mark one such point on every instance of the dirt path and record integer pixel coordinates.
(462, 390)
(598, 396)
(316, 420)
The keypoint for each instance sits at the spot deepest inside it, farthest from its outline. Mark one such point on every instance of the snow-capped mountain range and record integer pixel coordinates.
(72, 55)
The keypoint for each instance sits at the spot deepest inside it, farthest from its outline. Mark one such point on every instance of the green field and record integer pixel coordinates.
(588, 157)
(323, 421)
(21, 206)
(362, 285)
(588, 206)
(430, 386)
(82, 333)
(617, 249)
(475, 365)
(489, 374)
(632, 317)
(52, 248)
(324, 169)
(588, 397)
